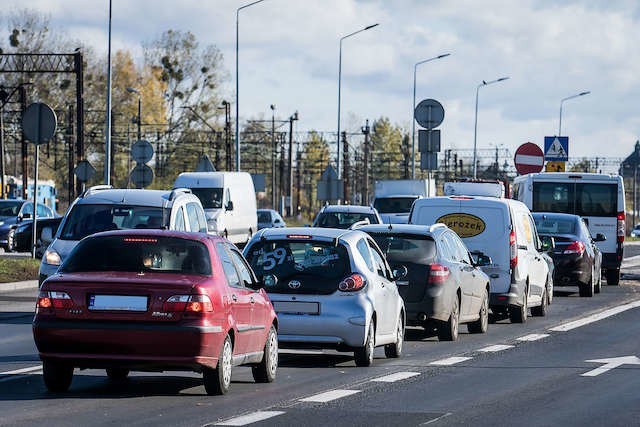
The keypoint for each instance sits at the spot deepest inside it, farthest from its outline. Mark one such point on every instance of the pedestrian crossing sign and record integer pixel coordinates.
(556, 148)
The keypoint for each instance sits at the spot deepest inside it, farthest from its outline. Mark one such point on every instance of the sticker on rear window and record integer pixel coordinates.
(465, 225)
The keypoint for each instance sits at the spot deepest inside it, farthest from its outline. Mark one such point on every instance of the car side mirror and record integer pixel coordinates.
(600, 237)
(399, 272)
(229, 206)
(277, 221)
(26, 216)
(548, 243)
(480, 259)
(46, 236)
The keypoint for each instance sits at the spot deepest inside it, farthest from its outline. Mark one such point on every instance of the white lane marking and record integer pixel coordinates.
(494, 348)
(450, 361)
(437, 419)
(532, 337)
(328, 396)
(631, 260)
(395, 377)
(610, 364)
(244, 420)
(22, 371)
(595, 317)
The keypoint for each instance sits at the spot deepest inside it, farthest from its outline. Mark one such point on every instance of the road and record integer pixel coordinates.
(531, 374)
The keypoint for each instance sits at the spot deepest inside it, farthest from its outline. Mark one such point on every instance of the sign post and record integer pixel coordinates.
(528, 158)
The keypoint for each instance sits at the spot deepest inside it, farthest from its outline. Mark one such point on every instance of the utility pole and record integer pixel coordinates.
(70, 143)
(298, 177)
(290, 185)
(345, 173)
(273, 156)
(281, 190)
(365, 131)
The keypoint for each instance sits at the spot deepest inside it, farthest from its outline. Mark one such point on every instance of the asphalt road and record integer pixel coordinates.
(531, 374)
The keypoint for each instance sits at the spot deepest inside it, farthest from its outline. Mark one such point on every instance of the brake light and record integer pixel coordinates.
(54, 299)
(188, 303)
(513, 249)
(353, 283)
(139, 240)
(621, 227)
(575, 248)
(438, 274)
(44, 301)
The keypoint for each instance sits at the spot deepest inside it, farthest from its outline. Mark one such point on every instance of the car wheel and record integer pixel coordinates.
(518, 314)
(613, 276)
(448, 331)
(11, 241)
(395, 350)
(364, 355)
(541, 310)
(586, 289)
(57, 375)
(265, 372)
(481, 325)
(218, 381)
(598, 287)
(117, 374)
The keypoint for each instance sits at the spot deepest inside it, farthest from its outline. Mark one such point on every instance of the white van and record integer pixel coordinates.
(598, 198)
(504, 230)
(229, 201)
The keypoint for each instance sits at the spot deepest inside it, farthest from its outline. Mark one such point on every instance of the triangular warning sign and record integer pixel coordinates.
(556, 150)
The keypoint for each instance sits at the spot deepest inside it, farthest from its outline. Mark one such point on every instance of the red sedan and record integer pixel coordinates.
(155, 300)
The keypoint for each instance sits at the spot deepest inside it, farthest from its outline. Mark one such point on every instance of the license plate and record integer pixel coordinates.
(296, 307)
(118, 302)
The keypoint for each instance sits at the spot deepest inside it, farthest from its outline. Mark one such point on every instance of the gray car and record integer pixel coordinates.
(331, 289)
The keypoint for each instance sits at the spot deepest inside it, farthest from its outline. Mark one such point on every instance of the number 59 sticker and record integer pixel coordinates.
(276, 257)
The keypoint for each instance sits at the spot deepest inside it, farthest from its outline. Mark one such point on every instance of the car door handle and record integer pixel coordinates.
(234, 298)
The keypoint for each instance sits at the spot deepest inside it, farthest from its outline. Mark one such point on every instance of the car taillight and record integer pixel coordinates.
(574, 248)
(621, 227)
(54, 299)
(353, 283)
(438, 274)
(188, 303)
(513, 249)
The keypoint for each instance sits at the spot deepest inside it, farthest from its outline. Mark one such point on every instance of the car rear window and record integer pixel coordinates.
(139, 254)
(555, 226)
(406, 248)
(317, 266)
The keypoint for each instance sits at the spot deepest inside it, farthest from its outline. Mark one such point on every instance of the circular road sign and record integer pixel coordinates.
(39, 123)
(84, 170)
(528, 158)
(429, 113)
(142, 151)
(141, 175)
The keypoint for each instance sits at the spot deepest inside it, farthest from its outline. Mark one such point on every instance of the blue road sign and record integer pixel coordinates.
(556, 148)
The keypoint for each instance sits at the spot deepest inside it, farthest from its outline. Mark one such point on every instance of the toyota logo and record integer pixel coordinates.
(295, 284)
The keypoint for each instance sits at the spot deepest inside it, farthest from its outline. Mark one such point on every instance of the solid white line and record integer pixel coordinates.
(450, 361)
(436, 419)
(22, 371)
(494, 348)
(532, 337)
(595, 317)
(395, 377)
(329, 396)
(250, 418)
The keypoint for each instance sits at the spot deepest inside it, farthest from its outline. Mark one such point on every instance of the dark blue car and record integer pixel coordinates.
(12, 213)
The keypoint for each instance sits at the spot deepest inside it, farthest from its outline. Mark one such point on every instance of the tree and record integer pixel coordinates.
(315, 159)
(386, 143)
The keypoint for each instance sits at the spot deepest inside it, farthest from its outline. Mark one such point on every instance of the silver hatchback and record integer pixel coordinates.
(331, 289)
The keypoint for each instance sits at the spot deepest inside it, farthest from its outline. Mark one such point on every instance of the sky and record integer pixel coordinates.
(289, 54)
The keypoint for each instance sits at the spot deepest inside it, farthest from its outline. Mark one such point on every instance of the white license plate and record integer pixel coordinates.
(118, 302)
(296, 307)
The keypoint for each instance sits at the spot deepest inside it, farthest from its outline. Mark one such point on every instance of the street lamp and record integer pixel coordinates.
(273, 156)
(475, 129)
(413, 121)
(137, 92)
(339, 85)
(561, 102)
(238, 85)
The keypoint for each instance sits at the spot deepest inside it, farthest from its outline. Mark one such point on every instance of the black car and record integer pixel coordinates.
(23, 235)
(12, 213)
(576, 258)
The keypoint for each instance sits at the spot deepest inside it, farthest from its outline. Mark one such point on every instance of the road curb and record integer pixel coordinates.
(17, 286)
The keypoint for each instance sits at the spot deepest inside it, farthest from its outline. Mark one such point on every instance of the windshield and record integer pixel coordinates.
(84, 220)
(405, 248)
(394, 204)
(139, 254)
(10, 208)
(211, 198)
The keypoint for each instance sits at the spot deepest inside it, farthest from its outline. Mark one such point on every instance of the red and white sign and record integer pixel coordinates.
(529, 158)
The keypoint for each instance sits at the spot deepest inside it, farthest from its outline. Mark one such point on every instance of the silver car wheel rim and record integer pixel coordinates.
(400, 336)
(273, 353)
(371, 343)
(226, 363)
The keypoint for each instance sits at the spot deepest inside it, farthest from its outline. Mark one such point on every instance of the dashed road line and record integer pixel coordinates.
(328, 396)
(595, 317)
(244, 420)
(532, 337)
(22, 371)
(495, 348)
(450, 361)
(398, 376)
(437, 419)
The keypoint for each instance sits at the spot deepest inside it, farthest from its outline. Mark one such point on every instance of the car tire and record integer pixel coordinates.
(57, 375)
(265, 372)
(117, 374)
(518, 313)
(587, 289)
(394, 350)
(364, 355)
(218, 380)
(613, 277)
(598, 287)
(481, 325)
(11, 241)
(448, 331)
(541, 310)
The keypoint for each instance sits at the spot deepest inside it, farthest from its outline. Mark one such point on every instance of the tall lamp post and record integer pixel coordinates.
(139, 119)
(273, 156)
(475, 128)
(238, 84)
(561, 102)
(413, 121)
(339, 87)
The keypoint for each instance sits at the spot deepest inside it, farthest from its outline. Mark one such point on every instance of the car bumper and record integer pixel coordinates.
(435, 305)
(571, 270)
(514, 297)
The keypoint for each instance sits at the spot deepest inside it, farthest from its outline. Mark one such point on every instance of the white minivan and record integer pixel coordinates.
(598, 198)
(229, 202)
(504, 230)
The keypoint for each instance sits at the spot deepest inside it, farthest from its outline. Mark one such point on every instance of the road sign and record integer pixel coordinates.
(39, 123)
(555, 167)
(142, 151)
(429, 161)
(141, 175)
(429, 113)
(84, 170)
(429, 141)
(556, 148)
(528, 158)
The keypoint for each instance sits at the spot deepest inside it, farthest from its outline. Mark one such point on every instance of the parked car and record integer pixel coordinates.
(155, 300)
(444, 286)
(102, 208)
(12, 213)
(331, 289)
(576, 258)
(269, 218)
(23, 235)
(504, 230)
(344, 216)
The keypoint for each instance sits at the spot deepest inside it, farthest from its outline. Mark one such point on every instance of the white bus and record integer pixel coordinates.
(598, 198)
